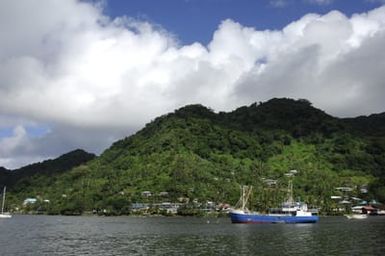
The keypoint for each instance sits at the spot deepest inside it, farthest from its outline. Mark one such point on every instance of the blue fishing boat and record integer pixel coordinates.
(289, 212)
(296, 216)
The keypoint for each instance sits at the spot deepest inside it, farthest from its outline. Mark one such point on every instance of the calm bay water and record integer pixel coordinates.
(59, 235)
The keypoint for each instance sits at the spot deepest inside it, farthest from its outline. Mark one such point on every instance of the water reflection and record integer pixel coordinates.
(53, 235)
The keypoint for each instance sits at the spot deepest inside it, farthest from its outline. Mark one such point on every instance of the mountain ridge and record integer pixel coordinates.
(196, 153)
(54, 166)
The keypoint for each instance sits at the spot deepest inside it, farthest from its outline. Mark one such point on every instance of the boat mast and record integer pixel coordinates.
(290, 198)
(2, 204)
(240, 202)
(290, 191)
(246, 191)
(244, 197)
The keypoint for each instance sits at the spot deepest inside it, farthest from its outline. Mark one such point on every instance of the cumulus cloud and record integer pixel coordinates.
(332, 60)
(92, 78)
(18, 144)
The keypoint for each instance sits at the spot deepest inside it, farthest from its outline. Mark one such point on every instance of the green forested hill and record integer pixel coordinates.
(373, 125)
(20, 182)
(198, 154)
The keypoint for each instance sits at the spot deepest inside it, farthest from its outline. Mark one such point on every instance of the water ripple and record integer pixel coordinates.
(57, 235)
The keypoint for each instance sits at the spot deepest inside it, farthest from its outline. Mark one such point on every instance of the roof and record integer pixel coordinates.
(368, 208)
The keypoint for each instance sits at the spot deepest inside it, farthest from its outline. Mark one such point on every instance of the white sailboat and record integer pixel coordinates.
(4, 214)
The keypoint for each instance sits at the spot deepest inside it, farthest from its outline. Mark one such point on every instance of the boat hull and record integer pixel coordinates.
(271, 218)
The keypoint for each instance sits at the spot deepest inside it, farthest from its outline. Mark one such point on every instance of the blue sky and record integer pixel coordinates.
(196, 20)
(85, 73)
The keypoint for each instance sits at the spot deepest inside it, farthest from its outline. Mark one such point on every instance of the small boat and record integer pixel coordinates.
(4, 214)
(289, 212)
(356, 216)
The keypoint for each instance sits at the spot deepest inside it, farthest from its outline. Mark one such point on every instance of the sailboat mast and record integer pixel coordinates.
(2, 204)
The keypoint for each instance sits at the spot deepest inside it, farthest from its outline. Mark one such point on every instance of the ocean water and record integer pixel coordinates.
(60, 235)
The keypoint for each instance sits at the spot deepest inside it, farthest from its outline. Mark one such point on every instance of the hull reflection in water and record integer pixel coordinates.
(356, 216)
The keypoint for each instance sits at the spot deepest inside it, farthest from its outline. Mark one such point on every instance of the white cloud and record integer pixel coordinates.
(16, 145)
(332, 60)
(65, 64)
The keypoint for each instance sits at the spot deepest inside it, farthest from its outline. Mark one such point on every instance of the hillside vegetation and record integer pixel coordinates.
(197, 154)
